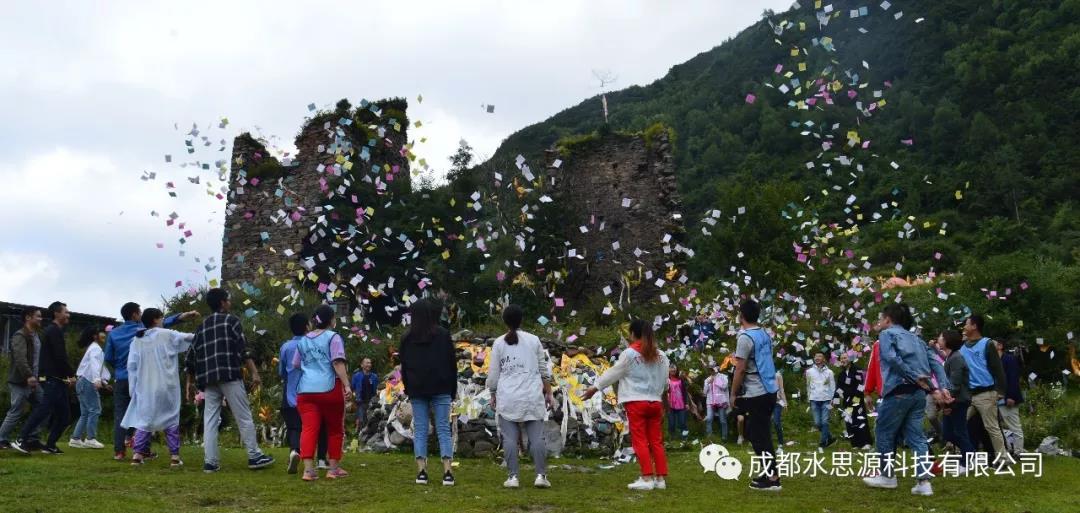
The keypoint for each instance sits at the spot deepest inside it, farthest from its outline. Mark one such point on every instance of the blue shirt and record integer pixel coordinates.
(905, 358)
(290, 375)
(364, 385)
(118, 343)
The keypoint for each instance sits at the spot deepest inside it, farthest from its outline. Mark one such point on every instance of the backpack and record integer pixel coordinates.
(763, 358)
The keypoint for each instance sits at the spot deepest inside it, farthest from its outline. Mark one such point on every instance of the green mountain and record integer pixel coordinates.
(975, 152)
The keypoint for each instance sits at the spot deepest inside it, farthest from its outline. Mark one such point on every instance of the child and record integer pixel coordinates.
(92, 375)
(640, 374)
(154, 384)
(678, 400)
(716, 402)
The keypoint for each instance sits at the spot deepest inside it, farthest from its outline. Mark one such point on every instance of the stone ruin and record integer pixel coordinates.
(622, 189)
(596, 426)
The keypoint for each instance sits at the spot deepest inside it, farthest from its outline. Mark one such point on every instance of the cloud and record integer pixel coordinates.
(91, 96)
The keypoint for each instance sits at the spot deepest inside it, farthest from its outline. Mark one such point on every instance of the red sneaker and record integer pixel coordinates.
(120, 456)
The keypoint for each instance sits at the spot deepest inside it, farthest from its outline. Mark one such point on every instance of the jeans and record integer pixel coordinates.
(54, 407)
(676, 423)
(759, 412)
(21, 395)
(902, 414)
(121, 399)
(778, 423)
(421, 407)
(234, 393)
(89, 410)
(954, 429)
(511, 434)
(820, 411)
(718, 412)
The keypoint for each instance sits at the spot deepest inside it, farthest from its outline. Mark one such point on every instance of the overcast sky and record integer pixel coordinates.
(90, 93)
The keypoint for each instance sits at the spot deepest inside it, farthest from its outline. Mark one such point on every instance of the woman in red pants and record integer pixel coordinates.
(642, 372)
(322, 393)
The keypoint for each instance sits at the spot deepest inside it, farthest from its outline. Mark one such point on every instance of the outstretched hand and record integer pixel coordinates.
(589, 392)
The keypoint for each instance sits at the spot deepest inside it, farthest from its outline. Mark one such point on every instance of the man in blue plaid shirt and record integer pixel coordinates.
(217, 355)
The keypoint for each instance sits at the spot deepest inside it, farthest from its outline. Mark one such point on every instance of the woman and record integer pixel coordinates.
(520, 383)
(716, 402)
(92, 376)
(641, 372)
(954, 428)
(321, 393)
(154, 383)
(429, 371)
(850, 384)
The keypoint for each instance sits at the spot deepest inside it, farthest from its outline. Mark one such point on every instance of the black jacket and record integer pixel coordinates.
(53, 362)
(429, 367)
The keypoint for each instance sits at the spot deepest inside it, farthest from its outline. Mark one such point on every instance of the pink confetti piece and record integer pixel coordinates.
(500, 276)
(179, 284)
(1024, 286)
(937, 256)
(160, 245)
(750, 99)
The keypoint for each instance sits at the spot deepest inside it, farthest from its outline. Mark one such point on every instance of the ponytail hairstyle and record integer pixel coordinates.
(88, 335)
(149, 317)
(641, 330)
(323, 317)
(512, 315)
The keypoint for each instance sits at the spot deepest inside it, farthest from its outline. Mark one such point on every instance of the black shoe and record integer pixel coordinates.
(262, 461)
(210, 468)
(448, 479)
(51, 450)
(421, 477)
(4, 444)
(23, 447)
(765, 484)
(830, 442)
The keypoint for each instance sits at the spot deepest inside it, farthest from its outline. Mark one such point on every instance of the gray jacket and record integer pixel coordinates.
(24, 355)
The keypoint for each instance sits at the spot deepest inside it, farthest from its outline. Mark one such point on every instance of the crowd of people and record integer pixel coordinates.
(966, 384)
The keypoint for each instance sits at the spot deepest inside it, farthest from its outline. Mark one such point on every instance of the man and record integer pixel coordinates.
(1010, 407)
(986, 378)
(934, 413)
(215, 358)
(58, 376)
(820, 387)
(753, 391)
(906, 367)
(22, 375)
(117, 345)
(365, 383)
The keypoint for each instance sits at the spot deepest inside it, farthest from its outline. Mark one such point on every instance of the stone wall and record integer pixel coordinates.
(591, 184)
(273, 206)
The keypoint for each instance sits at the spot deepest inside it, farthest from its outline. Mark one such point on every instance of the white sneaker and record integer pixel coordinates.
(642, 485)
(741, 440)
(93, 444)
(922, 488)
(294, 462)
(865, 447)
(542, 481)
(511, 482)
(820, 450)
(660, 484)
(322, 465)
(76, 444)
(961, 471)
(880, 482)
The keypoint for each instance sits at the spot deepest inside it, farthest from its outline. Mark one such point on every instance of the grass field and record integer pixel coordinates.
(88, 481)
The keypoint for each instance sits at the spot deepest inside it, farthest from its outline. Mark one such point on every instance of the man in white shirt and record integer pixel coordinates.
(821, 385)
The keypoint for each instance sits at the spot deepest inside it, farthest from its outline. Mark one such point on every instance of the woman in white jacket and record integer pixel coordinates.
(641, 372)
(154, 383)
(92, 376)
(520, 382)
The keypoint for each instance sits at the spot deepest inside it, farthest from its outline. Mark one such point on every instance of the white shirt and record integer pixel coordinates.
(820, 383)
(516, 375)
(638, 380)
(92, 366)
(154, 379)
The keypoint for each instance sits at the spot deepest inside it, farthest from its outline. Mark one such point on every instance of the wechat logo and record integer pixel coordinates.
(715, 458)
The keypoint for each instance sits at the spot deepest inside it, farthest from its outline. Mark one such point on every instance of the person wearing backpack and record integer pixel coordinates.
(754, 391)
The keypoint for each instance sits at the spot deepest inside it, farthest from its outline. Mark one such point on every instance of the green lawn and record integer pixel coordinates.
(88, 481)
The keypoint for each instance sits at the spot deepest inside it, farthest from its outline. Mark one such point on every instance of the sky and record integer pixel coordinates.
(94, 95)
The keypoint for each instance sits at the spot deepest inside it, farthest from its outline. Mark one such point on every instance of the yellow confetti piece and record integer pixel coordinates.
(281, 310)
(802, 65)
(446, 254)
(959, 195)
(794, 52)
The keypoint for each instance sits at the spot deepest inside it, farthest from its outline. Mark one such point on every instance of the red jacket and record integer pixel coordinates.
(873, 373)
